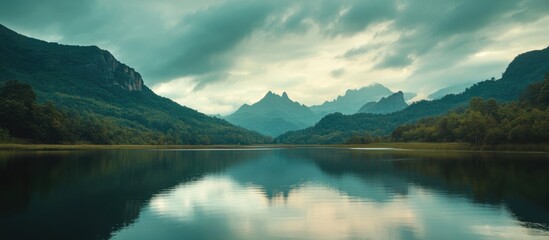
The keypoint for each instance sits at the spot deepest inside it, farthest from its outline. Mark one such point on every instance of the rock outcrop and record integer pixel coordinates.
(112, 71)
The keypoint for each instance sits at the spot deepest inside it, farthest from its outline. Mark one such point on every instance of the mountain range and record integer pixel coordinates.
(454, 89)
(353, 99)
(393, 103)
(524, 70)
(92, 83)
(273, 115)
(276, 114)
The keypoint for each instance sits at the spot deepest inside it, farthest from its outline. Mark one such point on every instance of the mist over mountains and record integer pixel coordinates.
(453, 89)
(276, 114)
(525, 69)
(352, 100)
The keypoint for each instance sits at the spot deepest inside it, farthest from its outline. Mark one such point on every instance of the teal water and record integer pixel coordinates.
(302, 193)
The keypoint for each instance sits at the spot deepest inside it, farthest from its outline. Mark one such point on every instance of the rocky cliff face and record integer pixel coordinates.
(119, 74)
(90, 81)
(44, 64)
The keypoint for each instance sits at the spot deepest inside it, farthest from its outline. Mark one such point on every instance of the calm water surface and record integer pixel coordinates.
(308, 193)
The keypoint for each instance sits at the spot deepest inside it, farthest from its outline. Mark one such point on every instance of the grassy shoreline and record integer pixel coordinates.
(542, 147)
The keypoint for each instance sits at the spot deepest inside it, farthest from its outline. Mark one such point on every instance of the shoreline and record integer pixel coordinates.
(542, 147)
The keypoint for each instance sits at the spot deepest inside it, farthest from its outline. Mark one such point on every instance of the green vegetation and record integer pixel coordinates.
(23, 118)
(93, 98)
(487, 122)
(525, 69)
(73, 94)
(446, 147)
(366, 139)
(25, 121)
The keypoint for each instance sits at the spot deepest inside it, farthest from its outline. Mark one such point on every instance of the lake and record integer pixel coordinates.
(269, 193)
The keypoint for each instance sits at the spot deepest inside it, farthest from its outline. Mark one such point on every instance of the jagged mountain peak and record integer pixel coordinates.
(396, 95)
(273, 114)
(392, 103)
(351, 101)
(271, 96)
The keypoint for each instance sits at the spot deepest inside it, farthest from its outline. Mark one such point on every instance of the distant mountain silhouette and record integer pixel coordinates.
(525, 69)
(394, 102)
(454, 89)
(352, 100)
(92, 83)
(273, 115)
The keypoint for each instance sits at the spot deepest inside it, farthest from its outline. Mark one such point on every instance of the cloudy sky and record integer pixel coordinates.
(215, 55)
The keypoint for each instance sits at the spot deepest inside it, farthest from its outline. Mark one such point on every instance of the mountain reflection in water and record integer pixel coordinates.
(308, 193)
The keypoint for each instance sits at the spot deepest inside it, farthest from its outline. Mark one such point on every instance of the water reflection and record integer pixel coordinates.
(311, 211)
(91, 194)
(275, 194)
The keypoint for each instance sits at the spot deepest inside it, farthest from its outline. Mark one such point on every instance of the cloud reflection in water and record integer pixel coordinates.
(310, 211)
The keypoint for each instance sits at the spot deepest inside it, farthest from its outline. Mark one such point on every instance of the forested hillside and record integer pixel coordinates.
(487, 122)
(525, 69)
(90, 83)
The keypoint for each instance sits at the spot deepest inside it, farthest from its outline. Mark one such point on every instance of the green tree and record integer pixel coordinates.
(50, 124)
(543, 94)
(16, 109)
(476, 104)
(4, 135)
(494, 136)
(18, 92)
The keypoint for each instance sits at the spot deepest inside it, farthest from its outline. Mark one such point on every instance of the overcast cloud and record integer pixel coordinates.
(215, 55)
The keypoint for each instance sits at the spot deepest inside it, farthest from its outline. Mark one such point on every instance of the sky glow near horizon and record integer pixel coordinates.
(216, 55)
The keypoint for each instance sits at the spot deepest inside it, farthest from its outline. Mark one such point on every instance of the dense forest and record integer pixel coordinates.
(487, 122)
(25, 121)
